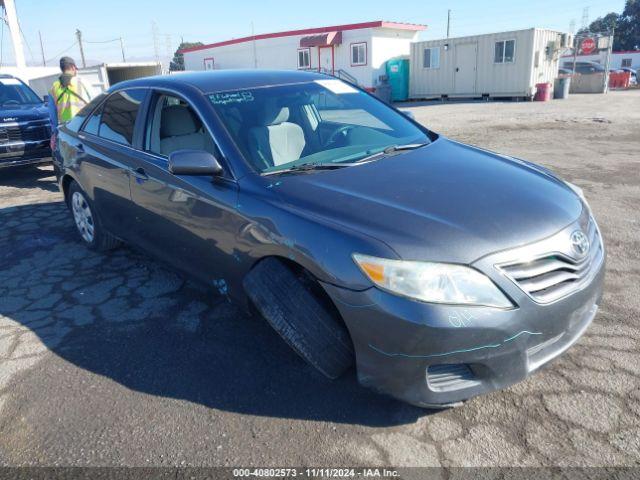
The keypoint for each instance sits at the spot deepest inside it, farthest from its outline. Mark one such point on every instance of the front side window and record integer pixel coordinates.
(14, 92)
(431, 57)
(304, 58)
(505, 51)
(358, 54)
(174, 125)
(321, 121)
(119, 115)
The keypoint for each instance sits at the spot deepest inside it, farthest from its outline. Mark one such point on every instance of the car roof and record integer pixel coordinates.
(221, 80)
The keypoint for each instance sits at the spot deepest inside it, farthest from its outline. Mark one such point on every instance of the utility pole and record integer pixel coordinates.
(14, 29)
(607, 64)
(255, 55)
(154, 33)
(79, 36)
(122, 48)
(168, 52)
(44, 62)
(585, 18)
(448, 21)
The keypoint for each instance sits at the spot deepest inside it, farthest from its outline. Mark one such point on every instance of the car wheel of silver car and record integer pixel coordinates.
(303, 316)
(87, 220)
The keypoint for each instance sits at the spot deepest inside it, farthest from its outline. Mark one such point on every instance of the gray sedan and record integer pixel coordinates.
(441, 270)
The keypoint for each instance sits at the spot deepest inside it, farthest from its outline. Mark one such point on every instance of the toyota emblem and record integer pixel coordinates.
(579, 243)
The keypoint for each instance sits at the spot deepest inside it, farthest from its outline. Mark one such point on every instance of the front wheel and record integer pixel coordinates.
(87, 221)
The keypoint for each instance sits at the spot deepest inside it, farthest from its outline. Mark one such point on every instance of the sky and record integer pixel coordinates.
(211, 21)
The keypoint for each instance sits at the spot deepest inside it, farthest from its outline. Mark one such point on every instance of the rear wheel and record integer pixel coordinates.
(87, 221)
(297, 310)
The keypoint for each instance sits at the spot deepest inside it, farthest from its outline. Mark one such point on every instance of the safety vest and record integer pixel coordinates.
(70, 99)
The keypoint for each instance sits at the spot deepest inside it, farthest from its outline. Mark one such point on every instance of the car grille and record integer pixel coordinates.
(32, 131)
(556, 275)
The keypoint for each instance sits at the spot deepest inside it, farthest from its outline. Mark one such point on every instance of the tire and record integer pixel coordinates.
(87, 221)
(301, 316)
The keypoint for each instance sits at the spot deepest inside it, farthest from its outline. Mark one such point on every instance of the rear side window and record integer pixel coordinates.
(119, 115)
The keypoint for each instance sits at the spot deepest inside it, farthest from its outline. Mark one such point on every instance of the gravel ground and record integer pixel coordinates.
(114, 360)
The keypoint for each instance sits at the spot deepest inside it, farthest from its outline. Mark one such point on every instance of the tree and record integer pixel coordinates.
(602, 24)
(627, 26)
(628, 30)
(177, 63)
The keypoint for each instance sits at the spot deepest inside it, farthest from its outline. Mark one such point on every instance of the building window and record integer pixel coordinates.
(209, 63)
(626, 62)
(505, 51)
(358, 54)
(304, 58)
(431, 57)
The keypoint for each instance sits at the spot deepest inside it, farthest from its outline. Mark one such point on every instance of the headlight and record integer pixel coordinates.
(432, 282)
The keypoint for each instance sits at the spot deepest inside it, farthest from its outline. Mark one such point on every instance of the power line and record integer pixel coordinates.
(59, 54)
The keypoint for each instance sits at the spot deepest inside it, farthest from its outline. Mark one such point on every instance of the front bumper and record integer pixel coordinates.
(439, 355)
(24, 153)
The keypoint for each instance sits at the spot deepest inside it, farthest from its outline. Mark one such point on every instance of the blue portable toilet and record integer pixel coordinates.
(398, 74)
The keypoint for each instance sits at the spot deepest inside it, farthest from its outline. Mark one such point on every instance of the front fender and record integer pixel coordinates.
(325, 249)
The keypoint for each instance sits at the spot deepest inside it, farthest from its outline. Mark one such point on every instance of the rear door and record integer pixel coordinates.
(464, 76)
(188, 221)
(105, 150)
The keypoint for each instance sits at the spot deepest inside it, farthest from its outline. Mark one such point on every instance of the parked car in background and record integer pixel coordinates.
(565, 71)
(584, 68)
(633, 80)
(443, 271)
(25, 127)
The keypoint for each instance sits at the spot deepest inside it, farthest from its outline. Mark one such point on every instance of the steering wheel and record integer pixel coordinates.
(333, 138)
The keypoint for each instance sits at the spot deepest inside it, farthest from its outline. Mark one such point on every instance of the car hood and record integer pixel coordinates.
(23, 113)
(445, 202)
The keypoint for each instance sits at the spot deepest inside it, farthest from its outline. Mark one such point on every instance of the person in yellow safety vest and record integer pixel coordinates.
(68, 93)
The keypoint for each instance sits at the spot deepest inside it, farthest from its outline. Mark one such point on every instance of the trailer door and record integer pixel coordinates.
(464, 76)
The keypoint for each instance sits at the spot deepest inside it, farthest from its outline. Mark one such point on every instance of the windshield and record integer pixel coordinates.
(319, 122)
(14, 92)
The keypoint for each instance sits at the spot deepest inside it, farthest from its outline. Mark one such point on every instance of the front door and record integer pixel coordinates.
(326, 59)
(189, 221)
(464, 73)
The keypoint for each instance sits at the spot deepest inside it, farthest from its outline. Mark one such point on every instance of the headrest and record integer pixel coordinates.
(272, 114)
(178, 120)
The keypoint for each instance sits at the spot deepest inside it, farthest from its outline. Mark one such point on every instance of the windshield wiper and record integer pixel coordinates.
(406, 146)
(302, 167)
(388, 151)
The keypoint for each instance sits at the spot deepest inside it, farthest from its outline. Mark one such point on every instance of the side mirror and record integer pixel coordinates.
(45, 99)
(408, 113)
(193, 162)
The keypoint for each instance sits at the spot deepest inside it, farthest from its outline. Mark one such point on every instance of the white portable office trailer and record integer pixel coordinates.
(506, 64)
(357, 52)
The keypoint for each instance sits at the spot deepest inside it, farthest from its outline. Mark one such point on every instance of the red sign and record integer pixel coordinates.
(588, 45)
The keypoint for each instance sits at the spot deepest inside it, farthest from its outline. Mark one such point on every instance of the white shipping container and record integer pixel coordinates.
(99, 78)
(506, 64)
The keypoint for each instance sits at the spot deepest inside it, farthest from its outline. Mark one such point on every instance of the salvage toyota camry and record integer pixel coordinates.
(442, 270)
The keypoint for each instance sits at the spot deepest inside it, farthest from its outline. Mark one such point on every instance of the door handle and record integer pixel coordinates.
(140, 173)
